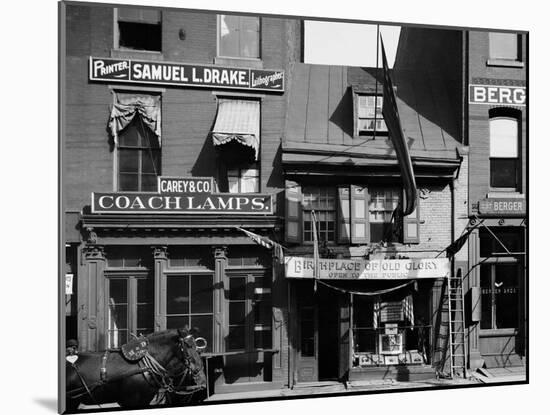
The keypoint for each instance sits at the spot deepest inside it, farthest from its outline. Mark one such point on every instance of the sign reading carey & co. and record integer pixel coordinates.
(378, 269)
(181, 195)
(502, 207)
(183, 74)
(497, 95)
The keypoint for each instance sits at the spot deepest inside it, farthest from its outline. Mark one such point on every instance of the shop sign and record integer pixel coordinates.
(183, 195)
(502, 207)
(378, 269)
(497, 95)
(183, 74)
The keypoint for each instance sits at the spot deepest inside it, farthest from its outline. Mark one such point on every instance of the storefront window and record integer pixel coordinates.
(323, 201)
(130, 308)
(249, 320)
(499, 296)
(390, 331)
(189, 303)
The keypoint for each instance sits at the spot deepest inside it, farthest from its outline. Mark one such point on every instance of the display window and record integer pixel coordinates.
(390, 330)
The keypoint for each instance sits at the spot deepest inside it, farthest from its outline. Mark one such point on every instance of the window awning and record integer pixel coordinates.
(127, 106)
(238, 121)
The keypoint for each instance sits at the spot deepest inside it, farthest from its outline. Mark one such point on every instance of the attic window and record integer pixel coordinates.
(369, 116)
(139, 29)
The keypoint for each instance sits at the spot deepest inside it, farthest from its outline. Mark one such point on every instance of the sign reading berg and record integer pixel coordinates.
(497, 95)
(182, 74)
(191, 195)
(378, 269)
(502, 206)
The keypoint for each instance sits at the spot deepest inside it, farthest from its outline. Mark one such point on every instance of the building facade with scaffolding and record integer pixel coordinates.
(375, 305)
(496, 120)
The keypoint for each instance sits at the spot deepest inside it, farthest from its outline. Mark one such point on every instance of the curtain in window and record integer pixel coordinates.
(127, 106)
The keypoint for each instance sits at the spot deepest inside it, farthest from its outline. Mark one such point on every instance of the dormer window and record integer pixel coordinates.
(369, 116)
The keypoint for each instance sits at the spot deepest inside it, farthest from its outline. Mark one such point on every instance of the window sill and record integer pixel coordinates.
(507, 63)
(505, 193)
(137, 54)
(497, 332)
(255, 63)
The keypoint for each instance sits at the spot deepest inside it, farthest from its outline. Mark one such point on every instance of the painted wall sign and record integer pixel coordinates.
(378, 269)
(183, 195)
(497, 95)
(502, 207)
(183, 74)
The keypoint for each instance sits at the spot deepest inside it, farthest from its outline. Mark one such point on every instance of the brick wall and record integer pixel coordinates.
(479, 115)
(187, 114)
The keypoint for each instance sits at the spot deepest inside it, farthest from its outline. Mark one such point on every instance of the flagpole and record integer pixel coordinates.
(376, 79)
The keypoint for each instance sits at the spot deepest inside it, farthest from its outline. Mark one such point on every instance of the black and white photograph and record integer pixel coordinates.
(262, 207)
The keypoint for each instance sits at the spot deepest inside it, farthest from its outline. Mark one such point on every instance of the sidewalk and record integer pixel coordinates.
(501, 374)
(335, 388)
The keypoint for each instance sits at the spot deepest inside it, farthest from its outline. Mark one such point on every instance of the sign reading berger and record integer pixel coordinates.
(183, 195)
(497, 95)
(378, 269)
(183, 74)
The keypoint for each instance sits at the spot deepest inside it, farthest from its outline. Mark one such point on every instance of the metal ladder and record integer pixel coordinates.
(457, 335)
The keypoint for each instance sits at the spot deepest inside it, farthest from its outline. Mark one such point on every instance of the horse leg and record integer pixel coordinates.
(134, 391)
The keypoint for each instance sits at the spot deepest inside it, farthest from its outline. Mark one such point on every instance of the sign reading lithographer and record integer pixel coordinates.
(497, 95)
(183, 74)
(378, 269)
(502, 207)
(183, 195)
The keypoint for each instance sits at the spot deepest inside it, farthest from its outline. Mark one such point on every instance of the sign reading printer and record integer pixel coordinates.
(183, 195)
(378, 269)
(184, 74)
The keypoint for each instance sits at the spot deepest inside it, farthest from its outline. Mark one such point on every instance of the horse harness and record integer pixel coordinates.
(154, 373)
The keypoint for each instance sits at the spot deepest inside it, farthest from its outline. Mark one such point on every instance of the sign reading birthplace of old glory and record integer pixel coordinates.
(183, 74)
(378, 269)
(183, 195)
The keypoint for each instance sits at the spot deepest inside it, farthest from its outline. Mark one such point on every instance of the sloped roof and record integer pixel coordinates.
(320, 114)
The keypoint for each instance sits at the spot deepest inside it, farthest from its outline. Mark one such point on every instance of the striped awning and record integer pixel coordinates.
(239, 121)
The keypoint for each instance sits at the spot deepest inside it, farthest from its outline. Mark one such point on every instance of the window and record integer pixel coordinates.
(391, 330)
(249, 321)
(504, 46)
(139, 29)
(138, 158)
(504, 154)
(322, 200)
(190, 303)
(500, 277)
(244, 179)
(239, 36)
(130, 308)
(367, 108)
(382, 204)
(363, 214)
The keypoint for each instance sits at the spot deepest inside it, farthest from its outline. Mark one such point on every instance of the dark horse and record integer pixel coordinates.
(166, 367)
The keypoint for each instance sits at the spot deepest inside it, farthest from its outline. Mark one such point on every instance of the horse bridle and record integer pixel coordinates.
(188, 363)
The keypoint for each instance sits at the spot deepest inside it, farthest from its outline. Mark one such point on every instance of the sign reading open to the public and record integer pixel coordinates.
(183, 195)
(360, 269)
(183, 74)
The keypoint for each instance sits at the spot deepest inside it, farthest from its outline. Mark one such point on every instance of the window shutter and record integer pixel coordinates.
(359, 215)
(293, 212)
(343, 215)
(411, 226)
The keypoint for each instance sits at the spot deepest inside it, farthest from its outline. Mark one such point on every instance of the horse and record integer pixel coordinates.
(163, 366)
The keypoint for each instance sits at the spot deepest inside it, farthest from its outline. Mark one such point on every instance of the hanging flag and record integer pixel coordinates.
(315, 249)
(393, 122)
(408, 309)
(266, 243)
(457, 245)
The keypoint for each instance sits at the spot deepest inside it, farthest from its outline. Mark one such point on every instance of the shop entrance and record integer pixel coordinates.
(318, 334)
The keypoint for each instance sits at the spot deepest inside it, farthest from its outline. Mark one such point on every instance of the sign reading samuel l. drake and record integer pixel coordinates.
(378, 269)
(181, 195)
(183, 74)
